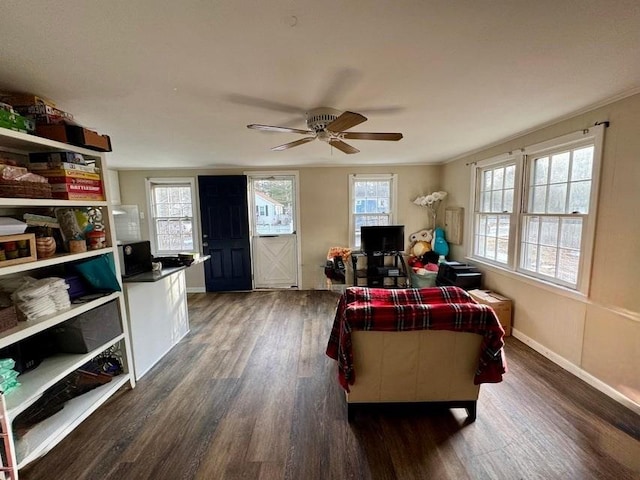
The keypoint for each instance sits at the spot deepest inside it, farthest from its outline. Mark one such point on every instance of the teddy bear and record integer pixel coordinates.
(420, 243)
(421, 257)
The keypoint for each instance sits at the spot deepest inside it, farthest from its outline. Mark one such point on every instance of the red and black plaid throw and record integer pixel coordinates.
(437, 308)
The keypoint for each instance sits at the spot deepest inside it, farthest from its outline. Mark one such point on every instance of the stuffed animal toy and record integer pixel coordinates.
(420, 243)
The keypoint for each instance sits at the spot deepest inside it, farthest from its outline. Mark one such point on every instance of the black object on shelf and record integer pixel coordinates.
(174, 261)
(458, 274)
(377, 270)
(30, 352)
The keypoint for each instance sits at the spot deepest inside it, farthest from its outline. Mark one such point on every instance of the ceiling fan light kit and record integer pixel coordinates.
(329, 125)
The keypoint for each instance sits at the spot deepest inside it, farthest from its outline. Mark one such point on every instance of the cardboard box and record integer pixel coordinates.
(15, 121)
(78, 196)
(76, 188)
(42, 109)
(501, 305)
(49, 173)
(22, 99)
(74, 181)
(56, 157)
(80, 136)
(44, 168)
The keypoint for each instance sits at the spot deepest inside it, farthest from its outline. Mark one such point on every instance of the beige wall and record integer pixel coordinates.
(599, 334)
(324, 200)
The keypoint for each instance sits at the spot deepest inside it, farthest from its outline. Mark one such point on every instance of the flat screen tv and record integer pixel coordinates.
(387, 238)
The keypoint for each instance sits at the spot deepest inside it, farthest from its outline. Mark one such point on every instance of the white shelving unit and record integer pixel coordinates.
(38, 440)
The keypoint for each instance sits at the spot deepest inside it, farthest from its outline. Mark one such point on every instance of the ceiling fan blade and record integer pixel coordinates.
(344, 147)
(346, 121)
(371, 136)
(286, 146)
(271, 128)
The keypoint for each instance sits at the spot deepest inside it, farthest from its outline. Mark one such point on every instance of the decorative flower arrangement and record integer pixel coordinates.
(431, 202)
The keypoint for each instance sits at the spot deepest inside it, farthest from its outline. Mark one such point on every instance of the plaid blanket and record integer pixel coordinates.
(437, 308)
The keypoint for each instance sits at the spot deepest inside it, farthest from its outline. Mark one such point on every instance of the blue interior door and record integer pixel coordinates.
(225, 232)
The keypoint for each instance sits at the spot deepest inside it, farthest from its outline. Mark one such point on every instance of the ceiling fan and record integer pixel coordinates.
(329, 125)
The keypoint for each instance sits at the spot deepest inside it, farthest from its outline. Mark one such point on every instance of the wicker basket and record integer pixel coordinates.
(8, 318)
(15, 189)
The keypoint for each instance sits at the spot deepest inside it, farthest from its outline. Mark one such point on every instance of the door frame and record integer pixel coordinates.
(250, 204)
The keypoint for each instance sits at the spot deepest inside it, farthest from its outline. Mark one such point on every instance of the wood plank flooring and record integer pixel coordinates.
(250, 394)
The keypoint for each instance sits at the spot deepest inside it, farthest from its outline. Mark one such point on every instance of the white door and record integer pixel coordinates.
(274, 239)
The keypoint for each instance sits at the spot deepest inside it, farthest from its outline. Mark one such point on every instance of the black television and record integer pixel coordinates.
(383, 238)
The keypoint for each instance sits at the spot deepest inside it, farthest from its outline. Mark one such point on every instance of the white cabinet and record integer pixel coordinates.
(19, 451)
(156, 326)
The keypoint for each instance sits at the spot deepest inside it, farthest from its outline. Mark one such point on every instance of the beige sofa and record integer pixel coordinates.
(415, 366)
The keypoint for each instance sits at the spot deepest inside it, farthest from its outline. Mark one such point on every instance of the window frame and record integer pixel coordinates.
(150, 183)
(492, 164)
(524, 158)
(393, 196)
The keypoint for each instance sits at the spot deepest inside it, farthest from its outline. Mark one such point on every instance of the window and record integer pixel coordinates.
(534, 211)
(171, 220)
(493, 218)
(372, 202)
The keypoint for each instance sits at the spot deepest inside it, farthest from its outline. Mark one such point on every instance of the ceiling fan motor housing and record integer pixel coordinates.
(319, 118)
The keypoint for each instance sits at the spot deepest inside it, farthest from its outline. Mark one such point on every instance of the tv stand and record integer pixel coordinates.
(377, 273)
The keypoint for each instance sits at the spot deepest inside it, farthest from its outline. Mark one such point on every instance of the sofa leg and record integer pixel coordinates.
(351, 412)
(471, 411)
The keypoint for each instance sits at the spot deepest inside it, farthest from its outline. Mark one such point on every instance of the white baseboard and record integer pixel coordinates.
(577, 371)
(196, 290)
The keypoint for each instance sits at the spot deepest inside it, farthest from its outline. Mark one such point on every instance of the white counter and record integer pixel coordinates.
(158, 316)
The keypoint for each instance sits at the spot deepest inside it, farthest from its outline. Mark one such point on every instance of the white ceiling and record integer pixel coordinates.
(176, 82)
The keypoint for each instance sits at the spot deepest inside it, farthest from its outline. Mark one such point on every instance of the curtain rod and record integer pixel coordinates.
(606, 124)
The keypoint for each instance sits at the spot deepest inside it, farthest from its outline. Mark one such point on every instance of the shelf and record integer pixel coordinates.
(45, 435)
(376, 278)
(53, 369)
(55, 260)
(18, 142)
(26, 329)
(365, 274)
(48, 433)
(49, 202)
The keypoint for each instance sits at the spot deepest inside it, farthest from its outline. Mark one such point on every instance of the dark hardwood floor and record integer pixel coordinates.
(250, 394)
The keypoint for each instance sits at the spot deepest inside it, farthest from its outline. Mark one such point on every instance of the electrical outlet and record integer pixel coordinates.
(141, 215)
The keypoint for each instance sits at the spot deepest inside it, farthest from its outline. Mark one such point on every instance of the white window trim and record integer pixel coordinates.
(393, 197)
(194, 205)
(517, 200)
(596, 134)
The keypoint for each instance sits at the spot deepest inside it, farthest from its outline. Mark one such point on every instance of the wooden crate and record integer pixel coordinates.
(501, 305)
(31, 246)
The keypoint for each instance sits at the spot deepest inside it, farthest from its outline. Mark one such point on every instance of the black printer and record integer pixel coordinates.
(458, 275)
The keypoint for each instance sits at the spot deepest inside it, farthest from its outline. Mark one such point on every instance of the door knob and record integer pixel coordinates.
(205, 244)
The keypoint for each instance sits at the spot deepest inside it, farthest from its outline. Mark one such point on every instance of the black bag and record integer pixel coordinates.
(335, 269)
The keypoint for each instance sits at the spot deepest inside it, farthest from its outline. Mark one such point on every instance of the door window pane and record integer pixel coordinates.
(274, 198)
